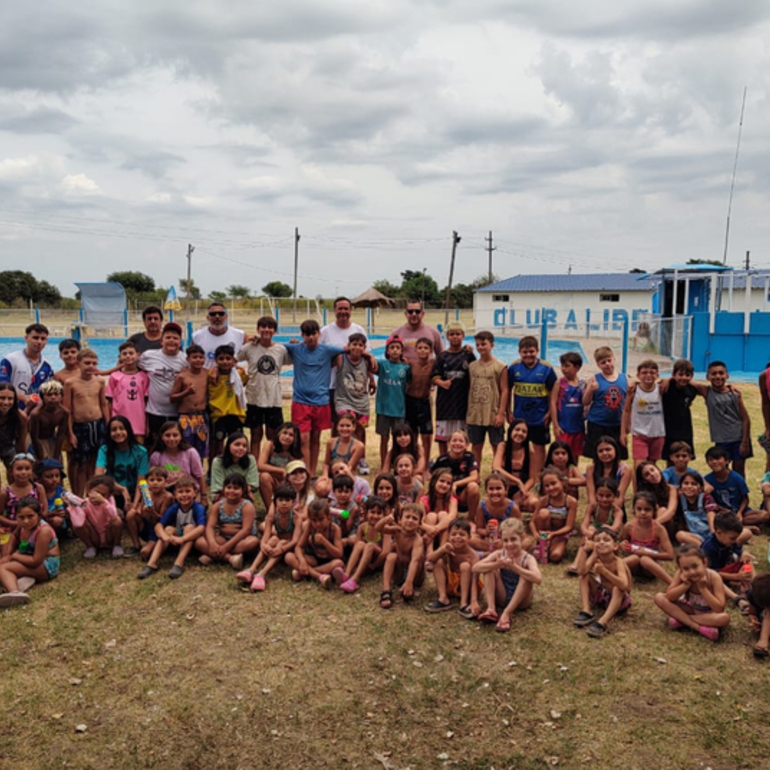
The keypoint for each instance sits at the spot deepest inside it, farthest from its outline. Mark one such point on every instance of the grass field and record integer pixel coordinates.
(196, 674)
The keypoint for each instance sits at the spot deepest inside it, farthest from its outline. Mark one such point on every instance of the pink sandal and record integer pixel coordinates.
(245, 576)
(503, 626)
(489, 616)
(350, 586)
(258, 584)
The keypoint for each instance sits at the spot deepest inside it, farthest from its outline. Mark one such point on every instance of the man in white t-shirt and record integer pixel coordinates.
(162, 367)
(217, 333)
(337, 334)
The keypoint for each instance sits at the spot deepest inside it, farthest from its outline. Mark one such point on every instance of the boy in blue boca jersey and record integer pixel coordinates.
(531, 382)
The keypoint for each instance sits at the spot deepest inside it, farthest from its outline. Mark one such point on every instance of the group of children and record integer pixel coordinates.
(137, 442)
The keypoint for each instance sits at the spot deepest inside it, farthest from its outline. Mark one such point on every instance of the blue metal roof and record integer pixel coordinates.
(575, 282)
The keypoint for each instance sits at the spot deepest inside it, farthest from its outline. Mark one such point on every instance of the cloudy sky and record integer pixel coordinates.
(597, 134)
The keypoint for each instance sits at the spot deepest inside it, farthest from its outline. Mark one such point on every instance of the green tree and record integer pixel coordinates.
(217, 296)
(133, 281)
(387, 288)
(238, 291)
(705, 262)
(17, 285)
(416, 284)
(277, 289)
(195, 292)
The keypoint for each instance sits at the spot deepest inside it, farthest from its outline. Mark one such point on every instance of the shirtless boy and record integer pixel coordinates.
(189, 393)
(85, 399)
(49, 422)
(405, 564)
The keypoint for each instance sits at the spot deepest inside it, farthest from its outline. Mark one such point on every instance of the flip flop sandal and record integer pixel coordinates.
(489, 616)
(386, 600)
(503, 626)
(760, 652)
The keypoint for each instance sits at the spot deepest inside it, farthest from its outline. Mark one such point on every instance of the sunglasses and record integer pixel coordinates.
(217, 314)
(413, 312)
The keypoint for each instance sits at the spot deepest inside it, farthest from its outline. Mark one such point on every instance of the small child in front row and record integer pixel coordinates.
(758, 597)
(510, 576)
(605, 582)
(369, 551)
(696, 597)
(319, 549)
(141, 518)
(34, 553)
(98, 524)
(452, 570)
(405, 562)
(605, 512)
(555, 517)
(645, 541)
(181, 525)
(282, 530)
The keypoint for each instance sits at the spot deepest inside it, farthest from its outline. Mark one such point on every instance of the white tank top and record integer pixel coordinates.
(647, 413)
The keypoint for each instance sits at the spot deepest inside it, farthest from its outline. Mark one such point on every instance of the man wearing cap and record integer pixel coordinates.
(337, 334)
(217, 333)
(162, 367)
(414, 329)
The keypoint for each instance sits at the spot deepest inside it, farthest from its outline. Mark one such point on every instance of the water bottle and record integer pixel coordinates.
(542, 552)
(341, 512)
(493, 533)
(74, 500)
(144, 488)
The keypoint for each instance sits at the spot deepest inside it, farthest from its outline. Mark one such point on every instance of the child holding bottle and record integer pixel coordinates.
(496, 506)
(645, 541)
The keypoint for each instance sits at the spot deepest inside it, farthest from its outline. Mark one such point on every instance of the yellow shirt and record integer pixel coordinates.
(223, 400)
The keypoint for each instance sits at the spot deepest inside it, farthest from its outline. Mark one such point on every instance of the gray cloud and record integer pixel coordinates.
(39, 120)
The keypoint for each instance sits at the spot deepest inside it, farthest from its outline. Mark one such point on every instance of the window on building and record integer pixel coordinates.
(501, 297)
(609, 298)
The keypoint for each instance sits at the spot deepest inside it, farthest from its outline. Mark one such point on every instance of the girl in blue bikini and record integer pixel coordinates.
(231, 528)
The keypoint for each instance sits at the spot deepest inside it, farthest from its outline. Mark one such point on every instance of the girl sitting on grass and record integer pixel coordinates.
(511, 461)
(318, 552)
(440, 506)
(231, 529)
(552, 524)
(607, 464)
(282, 529)
(405, 442)
(605, 512)
(371, 549)
(386, 488)
(21, 484)
(650, 479)
(345, 446)
(696, 597)
(235, 458)
(645, 542)
(33, 554)
(276, 454)
(697, 509)
(409, 488)
(561, 457)
(496, 506)
(510, 576)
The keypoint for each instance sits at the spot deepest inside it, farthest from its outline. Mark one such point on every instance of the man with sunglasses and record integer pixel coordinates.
(217, 333)
(414, 329)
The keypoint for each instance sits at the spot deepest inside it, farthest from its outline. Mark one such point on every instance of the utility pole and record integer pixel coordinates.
(190, 250)
(748, 262)
(296, 263)
(490, 249)
(455, 240)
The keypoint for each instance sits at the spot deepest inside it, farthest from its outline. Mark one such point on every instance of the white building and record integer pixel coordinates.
(599, 301)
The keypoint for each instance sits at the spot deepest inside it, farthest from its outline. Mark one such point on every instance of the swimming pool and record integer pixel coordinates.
(506, 348)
